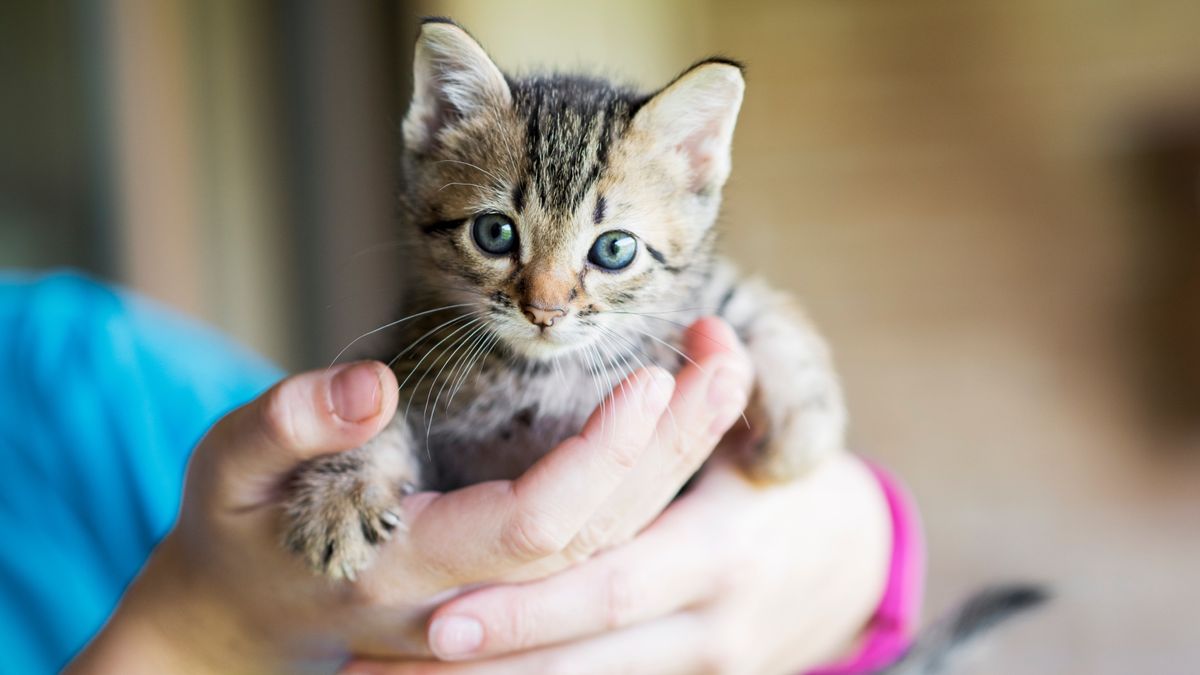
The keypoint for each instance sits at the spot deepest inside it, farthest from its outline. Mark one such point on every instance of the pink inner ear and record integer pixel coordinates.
(698, 147)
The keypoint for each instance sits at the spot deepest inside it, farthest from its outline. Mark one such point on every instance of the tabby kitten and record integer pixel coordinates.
(559, 234)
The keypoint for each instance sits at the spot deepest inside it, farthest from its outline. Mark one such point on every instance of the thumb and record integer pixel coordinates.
(301, 417)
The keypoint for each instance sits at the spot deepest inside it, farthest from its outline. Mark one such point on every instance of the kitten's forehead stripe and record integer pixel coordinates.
(598, 213)
(571, 122)
(518, 197)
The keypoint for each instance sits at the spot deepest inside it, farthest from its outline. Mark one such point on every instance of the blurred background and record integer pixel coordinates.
(991, 208)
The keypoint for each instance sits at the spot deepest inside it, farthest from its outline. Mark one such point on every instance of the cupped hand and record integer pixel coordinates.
(732, 578)
(220, 594)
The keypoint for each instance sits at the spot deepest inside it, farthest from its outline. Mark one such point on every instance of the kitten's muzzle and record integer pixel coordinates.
(543, 316)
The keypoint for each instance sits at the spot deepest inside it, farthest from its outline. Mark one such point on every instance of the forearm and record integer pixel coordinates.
(162, 627)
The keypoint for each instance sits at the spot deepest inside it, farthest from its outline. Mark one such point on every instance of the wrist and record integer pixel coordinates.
(892, 623)
(858, 579)
(168, 623)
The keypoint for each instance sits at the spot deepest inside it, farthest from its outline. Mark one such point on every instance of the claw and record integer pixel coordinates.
(390, 520)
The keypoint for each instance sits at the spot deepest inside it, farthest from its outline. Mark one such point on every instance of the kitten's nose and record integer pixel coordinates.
(543, 316)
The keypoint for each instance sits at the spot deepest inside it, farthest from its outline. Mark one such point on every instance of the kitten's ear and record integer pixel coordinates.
(453, 79)
(694, 116)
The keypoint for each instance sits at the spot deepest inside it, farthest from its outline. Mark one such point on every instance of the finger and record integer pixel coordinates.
(676, 563)
(680, 643)
(480, 531)
(710, 394)
(300, 418)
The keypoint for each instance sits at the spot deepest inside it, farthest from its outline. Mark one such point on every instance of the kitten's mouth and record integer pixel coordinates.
(544, 342)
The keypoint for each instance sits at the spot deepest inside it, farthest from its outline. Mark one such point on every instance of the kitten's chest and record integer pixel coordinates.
(500, 420)
(483, 413)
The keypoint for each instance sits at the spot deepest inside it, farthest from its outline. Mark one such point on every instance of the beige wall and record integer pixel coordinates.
(636, 41)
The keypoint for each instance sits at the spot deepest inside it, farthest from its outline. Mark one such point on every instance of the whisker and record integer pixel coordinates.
(674, 349)
(664, 311)
(468, 359)
(587, 370)
(638, 348)
(468, 338)
(558, 370)
(458, 345)
(596, 368)
(675, 323)
(607, 354)
(480, 354)
(432, 350)
(429, 332)
(473, 166)
(690, 360)
(475, 185)
(395, 323)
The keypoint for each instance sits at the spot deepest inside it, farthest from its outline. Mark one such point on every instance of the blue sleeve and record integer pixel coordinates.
(102, 396)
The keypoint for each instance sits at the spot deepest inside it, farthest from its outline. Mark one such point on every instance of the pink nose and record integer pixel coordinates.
(543, 316)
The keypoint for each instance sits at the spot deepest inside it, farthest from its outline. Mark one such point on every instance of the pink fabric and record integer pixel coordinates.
(894, 623)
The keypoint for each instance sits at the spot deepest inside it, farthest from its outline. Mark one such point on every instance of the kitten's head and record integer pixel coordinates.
(561, 206)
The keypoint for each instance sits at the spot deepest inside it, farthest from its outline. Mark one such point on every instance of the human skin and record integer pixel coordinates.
(220, 595)
(732, 578)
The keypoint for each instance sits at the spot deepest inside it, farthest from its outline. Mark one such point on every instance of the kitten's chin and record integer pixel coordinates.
(545, 346)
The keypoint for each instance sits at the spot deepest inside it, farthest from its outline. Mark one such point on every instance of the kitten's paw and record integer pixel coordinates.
(793, 436)
(335, 516)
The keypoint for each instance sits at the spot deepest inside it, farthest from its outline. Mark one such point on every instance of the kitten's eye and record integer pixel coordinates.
(494, 233)
(613, 250)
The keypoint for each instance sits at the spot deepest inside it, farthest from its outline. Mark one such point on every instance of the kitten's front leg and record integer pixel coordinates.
(339, 507)
(796, 409)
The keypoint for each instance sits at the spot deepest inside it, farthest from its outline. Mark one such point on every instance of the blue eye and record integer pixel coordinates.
(613, 250)
(494, 233)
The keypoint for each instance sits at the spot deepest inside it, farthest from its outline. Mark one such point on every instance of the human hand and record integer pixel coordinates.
(220, 595)
(732, 578)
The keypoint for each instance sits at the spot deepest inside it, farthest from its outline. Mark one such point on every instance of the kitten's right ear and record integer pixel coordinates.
(453, 79)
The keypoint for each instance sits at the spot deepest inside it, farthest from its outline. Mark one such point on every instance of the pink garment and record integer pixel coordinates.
(894, 623)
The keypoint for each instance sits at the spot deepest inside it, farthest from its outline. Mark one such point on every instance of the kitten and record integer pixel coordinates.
(558, 234)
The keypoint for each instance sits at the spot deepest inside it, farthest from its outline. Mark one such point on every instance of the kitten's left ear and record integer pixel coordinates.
(694, 116)
(453, 80)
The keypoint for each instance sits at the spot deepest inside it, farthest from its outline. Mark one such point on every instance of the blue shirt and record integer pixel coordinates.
(102, 396)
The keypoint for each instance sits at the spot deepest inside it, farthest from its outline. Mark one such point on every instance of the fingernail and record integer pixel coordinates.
(455, 635)
(356, 392)
(727, 396)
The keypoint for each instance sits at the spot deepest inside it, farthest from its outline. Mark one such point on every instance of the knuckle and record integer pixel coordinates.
(515, 629)
(624, 455)
(276, 417)
(533, 535)
(621, 595)
(593, 537)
